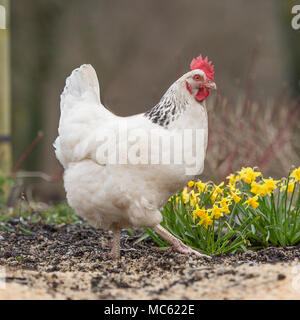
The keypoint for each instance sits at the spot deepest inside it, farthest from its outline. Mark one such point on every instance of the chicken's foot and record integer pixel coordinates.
(177, 244)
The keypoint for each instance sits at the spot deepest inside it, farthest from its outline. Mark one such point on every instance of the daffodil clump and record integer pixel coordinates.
(244, 212)
(276, 204)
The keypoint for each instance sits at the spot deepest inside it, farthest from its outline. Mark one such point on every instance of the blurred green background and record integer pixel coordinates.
(138, 49)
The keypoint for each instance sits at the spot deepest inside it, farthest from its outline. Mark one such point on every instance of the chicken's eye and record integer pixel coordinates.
(197, 77)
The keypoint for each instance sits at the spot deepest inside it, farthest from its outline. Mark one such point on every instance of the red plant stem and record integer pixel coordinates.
(228, 163)
(26, 153)
(279, 101)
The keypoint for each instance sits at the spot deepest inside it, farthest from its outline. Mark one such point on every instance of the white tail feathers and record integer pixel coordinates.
(82, 81)
(82, 114)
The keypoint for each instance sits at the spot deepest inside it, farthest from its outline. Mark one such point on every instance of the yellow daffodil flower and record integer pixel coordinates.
(224, 205)
(215, 197)
(235, 197)
(296, 174)
(185, 196)
(216, 212)
(248, 174)
(225, 201)
(259, 189)
(201, 186)
(206, 221)
(291, 187)
(263, 190)
(225, 209)
(270, 185)
(233, 189)
(217, 188)
(255, 187)
(194, 198)
(191, 184)
(201, 213)
(252, 202)
(232, 179)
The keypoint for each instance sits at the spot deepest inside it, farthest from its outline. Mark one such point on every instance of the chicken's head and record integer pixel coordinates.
(199, 81)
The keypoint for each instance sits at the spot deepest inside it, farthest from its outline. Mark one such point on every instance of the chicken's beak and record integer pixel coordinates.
(211, 85)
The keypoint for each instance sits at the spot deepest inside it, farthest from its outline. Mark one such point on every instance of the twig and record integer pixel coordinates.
(26, 153)
(281, 137)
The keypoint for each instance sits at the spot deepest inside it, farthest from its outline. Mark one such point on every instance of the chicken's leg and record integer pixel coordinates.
(115, 250)
(177, 244)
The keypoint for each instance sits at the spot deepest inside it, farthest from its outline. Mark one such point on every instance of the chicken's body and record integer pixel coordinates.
(118, 195)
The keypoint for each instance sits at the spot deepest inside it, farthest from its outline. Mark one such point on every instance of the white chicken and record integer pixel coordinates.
(114, 177)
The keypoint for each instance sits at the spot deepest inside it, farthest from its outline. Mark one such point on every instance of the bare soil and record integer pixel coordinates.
(72, 262)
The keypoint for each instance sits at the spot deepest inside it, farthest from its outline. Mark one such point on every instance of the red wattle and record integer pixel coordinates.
(202, 94)
(188, 87)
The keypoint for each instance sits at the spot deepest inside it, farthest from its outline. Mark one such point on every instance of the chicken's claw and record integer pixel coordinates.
(180, 247)
(177, 244)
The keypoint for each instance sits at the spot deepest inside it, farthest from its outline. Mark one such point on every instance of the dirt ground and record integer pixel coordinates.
(72, 262)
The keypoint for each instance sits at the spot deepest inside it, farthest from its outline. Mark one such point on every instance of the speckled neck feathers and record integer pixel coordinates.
(170, 107)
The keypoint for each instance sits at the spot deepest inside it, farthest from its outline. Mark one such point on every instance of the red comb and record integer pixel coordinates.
(203, 65)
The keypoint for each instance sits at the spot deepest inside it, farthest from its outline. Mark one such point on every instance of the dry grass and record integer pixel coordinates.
(249, 133)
